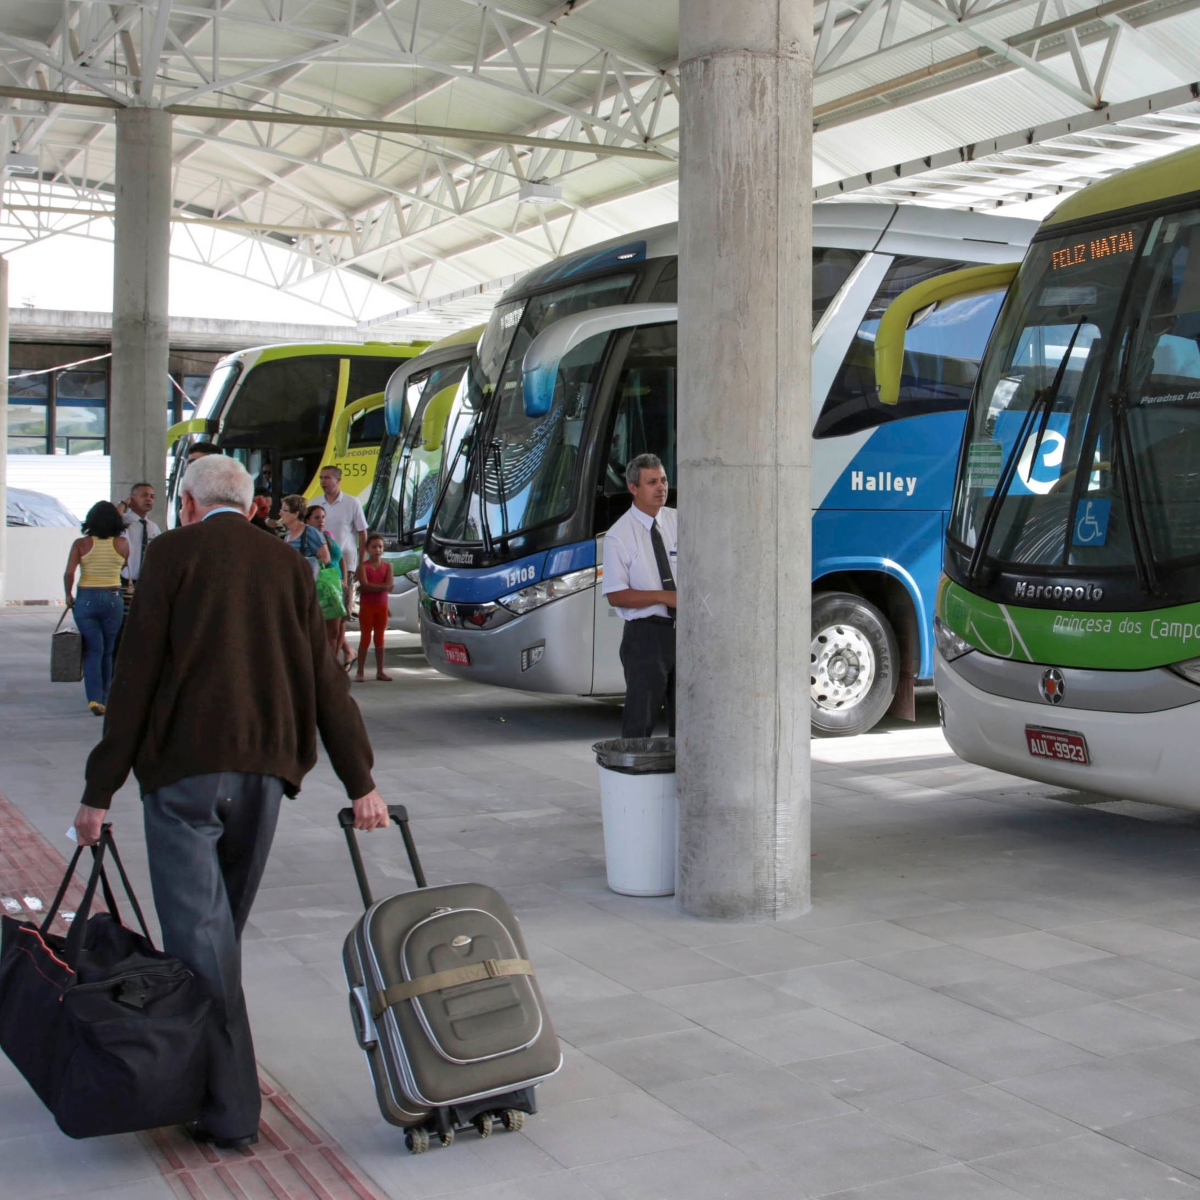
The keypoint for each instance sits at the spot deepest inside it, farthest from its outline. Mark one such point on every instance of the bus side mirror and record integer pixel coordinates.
(341, 431)
(206, 425)
(897, 318)
(539, 368)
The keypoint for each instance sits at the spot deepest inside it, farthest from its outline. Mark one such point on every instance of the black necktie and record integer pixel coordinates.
(660, 557)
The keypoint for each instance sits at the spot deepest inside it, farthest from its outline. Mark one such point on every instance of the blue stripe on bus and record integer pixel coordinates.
(480, 584)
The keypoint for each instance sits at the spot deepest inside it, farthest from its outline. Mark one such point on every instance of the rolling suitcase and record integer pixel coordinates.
(445, 1004)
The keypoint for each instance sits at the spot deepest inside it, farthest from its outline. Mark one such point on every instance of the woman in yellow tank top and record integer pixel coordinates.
(98, 556)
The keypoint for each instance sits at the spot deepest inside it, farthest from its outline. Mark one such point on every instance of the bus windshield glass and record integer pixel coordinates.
(410, 473)
(217, 388)
(1087, 420)
(506, 472)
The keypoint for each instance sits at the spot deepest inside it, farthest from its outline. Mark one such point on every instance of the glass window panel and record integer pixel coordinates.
(77, 445)
(830, 270)
(27, 420)
(367, 428)
(22, 445)
(78, 421)
(514, 498)
(286, 402)
(31, 387)
(369, 376)
(83, 385)
(941, 355)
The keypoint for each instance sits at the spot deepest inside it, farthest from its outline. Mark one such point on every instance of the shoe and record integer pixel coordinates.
(96, 707)
(198, 1133)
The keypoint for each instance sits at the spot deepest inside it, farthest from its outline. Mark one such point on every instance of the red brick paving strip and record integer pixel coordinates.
(295, 1159)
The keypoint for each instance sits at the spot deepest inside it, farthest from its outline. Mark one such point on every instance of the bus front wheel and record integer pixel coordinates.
(854, 666)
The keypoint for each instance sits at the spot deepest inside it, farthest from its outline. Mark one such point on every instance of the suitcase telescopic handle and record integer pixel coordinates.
(397, 813)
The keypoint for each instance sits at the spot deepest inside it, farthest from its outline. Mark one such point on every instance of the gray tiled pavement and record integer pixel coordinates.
(996, 995)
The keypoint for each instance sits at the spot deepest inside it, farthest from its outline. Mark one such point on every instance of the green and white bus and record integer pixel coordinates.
(1068, 617)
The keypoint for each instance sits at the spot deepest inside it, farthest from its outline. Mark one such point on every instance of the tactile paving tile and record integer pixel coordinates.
(295, 1159)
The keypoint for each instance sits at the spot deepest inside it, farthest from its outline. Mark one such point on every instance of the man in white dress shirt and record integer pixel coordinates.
(344, 518)
(141, 530)
(639, 582)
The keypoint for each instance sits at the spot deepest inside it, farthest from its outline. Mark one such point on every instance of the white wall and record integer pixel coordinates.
(78, 480)
(36, 561)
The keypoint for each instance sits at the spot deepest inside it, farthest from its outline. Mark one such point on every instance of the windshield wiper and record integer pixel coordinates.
(1139, 535)
(1042, 399)
(497, 449)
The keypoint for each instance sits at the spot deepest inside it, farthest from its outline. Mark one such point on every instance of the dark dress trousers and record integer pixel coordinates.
(218, 696)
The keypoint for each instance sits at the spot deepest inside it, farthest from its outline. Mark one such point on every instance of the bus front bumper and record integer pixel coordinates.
(546, 650)
(1148, 756)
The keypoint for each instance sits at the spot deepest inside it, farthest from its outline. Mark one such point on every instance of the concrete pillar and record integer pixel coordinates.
(3, 426)
(137, 435)
(745, 223)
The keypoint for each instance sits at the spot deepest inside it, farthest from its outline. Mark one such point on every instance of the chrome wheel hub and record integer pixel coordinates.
(842, 667)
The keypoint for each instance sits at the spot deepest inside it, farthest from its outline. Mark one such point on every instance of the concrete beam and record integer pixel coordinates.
(137, 435)
(745, 311)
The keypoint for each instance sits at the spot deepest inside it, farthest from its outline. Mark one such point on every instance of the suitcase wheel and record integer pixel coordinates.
(447, 1137)
(483, 1123)
(417, 1140)
(513, 1119)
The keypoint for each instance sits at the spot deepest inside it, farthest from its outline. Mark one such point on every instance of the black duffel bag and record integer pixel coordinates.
(110, 1032)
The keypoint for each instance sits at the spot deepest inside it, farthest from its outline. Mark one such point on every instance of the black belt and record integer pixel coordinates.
(99, 589)
(657, 620)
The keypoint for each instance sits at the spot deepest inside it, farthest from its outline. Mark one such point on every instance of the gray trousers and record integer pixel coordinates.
(208, 837)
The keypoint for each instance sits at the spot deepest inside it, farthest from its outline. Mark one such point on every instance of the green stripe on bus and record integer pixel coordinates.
(1069, 637)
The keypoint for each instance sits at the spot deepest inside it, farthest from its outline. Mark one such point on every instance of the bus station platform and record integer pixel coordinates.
(996, 994)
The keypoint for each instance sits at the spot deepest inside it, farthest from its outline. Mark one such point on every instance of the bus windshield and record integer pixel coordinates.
(1082, 446)
(217, 388)
(410, 465)
(506, 472)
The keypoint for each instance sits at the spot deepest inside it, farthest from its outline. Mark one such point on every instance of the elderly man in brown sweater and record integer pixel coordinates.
(219, 691)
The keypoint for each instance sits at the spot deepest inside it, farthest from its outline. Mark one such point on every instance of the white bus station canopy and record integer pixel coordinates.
(399, 162)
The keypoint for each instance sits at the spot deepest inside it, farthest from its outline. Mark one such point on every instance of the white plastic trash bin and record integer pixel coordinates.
(640, 814)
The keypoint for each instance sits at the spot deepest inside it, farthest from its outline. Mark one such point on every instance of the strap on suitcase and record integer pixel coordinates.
(397, 813)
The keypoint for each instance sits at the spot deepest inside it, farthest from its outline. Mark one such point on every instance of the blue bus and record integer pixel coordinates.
(576, 373)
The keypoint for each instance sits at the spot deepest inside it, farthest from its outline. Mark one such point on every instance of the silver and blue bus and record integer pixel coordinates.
(576, 373)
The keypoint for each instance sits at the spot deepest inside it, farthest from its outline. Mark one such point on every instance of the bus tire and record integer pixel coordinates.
(854, 665)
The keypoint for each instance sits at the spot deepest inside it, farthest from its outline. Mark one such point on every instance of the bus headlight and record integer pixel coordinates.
(1189, 669)
(538, 594)
(948, 642)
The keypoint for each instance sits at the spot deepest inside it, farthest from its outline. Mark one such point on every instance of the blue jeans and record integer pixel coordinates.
(98, 613)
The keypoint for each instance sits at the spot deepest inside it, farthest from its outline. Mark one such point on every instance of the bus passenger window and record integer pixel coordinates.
(830, 269)
(367, 428)
(368, 376)
(941, 355)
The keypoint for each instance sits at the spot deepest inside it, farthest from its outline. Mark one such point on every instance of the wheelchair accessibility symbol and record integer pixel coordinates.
(1091, 522)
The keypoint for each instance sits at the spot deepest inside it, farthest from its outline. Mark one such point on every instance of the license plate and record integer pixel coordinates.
(1059, 744)
(456, 653)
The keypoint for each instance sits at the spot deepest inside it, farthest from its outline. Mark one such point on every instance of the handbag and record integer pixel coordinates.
(329, 593)
(66, 653)
(111, 1033)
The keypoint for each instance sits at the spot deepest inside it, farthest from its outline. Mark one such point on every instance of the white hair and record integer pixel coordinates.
(218, 479)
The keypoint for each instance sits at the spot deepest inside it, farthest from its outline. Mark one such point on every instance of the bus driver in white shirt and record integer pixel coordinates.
(639, 582)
